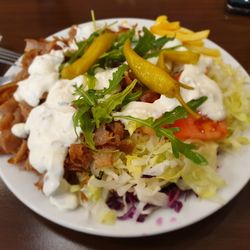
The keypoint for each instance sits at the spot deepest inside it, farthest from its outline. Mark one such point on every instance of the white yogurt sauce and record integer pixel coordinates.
(203, 86)
(60, 96)
(43, 74)
(63, 198)
(19, 130)
(51, 132)
(103, 77)
(84, 31)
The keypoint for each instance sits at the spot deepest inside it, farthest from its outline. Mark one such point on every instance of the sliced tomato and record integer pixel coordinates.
(203, 129)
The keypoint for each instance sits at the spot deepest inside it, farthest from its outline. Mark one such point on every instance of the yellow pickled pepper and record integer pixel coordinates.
(99, 46)
(155, 78)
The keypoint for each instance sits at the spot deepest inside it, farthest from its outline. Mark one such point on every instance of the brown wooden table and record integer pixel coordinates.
(20, 228)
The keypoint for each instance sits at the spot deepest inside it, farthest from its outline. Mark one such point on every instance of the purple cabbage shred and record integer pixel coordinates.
(131, 198)
(141, 218)
(114, 201)
(129, 214)
(174, 193)
(177, 206)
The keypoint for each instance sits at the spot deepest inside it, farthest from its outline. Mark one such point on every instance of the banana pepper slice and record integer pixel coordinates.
(155, 78)
(100, 45)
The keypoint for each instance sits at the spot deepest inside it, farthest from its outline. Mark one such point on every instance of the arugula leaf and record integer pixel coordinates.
(92, 69)
(148, 46)
(179, 112)
(160, 42)
(91, 81)
(87, 126)
(102, 111)
(78, 116)
(85, 97)
(143, 122)
(82, 118)
(116, 79)
(115, 55)
(145, 43)
(182, 147)
(123, 37)
(133, 96)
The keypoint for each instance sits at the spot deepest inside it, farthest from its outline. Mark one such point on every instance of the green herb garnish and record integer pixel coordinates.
(92, 109)
(102, 111)
(115, 54)
(149, 45)
(116, 79)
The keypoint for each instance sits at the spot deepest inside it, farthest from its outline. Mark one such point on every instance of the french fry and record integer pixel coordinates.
(198, 43)
(184, 37)
(162, 18)
(173, 29)
(168, 25)
(192, 36)
(162, 32)
(204, 50)
(185, 30)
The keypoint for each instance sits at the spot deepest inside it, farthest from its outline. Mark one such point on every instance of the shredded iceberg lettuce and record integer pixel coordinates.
(204, 181)
(145, 173)
(236, 93)
(109, 217)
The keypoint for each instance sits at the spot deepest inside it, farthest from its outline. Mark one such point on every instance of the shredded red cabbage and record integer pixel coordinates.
(141, 218)
(173, 195)
(131, 198)
(129, 214)
(147, 210)
(114, 201)
(177, 206)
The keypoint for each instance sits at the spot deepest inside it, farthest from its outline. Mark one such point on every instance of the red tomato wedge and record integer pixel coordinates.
(203, 129)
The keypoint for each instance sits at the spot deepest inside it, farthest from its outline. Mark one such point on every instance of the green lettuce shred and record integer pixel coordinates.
(236, 97)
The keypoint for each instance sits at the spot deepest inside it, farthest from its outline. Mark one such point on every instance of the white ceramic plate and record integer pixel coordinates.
(233, 168)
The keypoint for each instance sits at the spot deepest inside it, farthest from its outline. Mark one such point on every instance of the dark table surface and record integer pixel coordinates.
(20, 228)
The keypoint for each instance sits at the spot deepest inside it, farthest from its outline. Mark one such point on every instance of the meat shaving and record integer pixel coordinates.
(21, 155)
(79, 158)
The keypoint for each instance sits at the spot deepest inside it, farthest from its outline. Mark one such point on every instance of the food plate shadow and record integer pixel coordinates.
(201, 231)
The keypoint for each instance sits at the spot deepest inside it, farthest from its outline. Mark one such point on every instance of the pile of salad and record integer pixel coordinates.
(123, 120)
